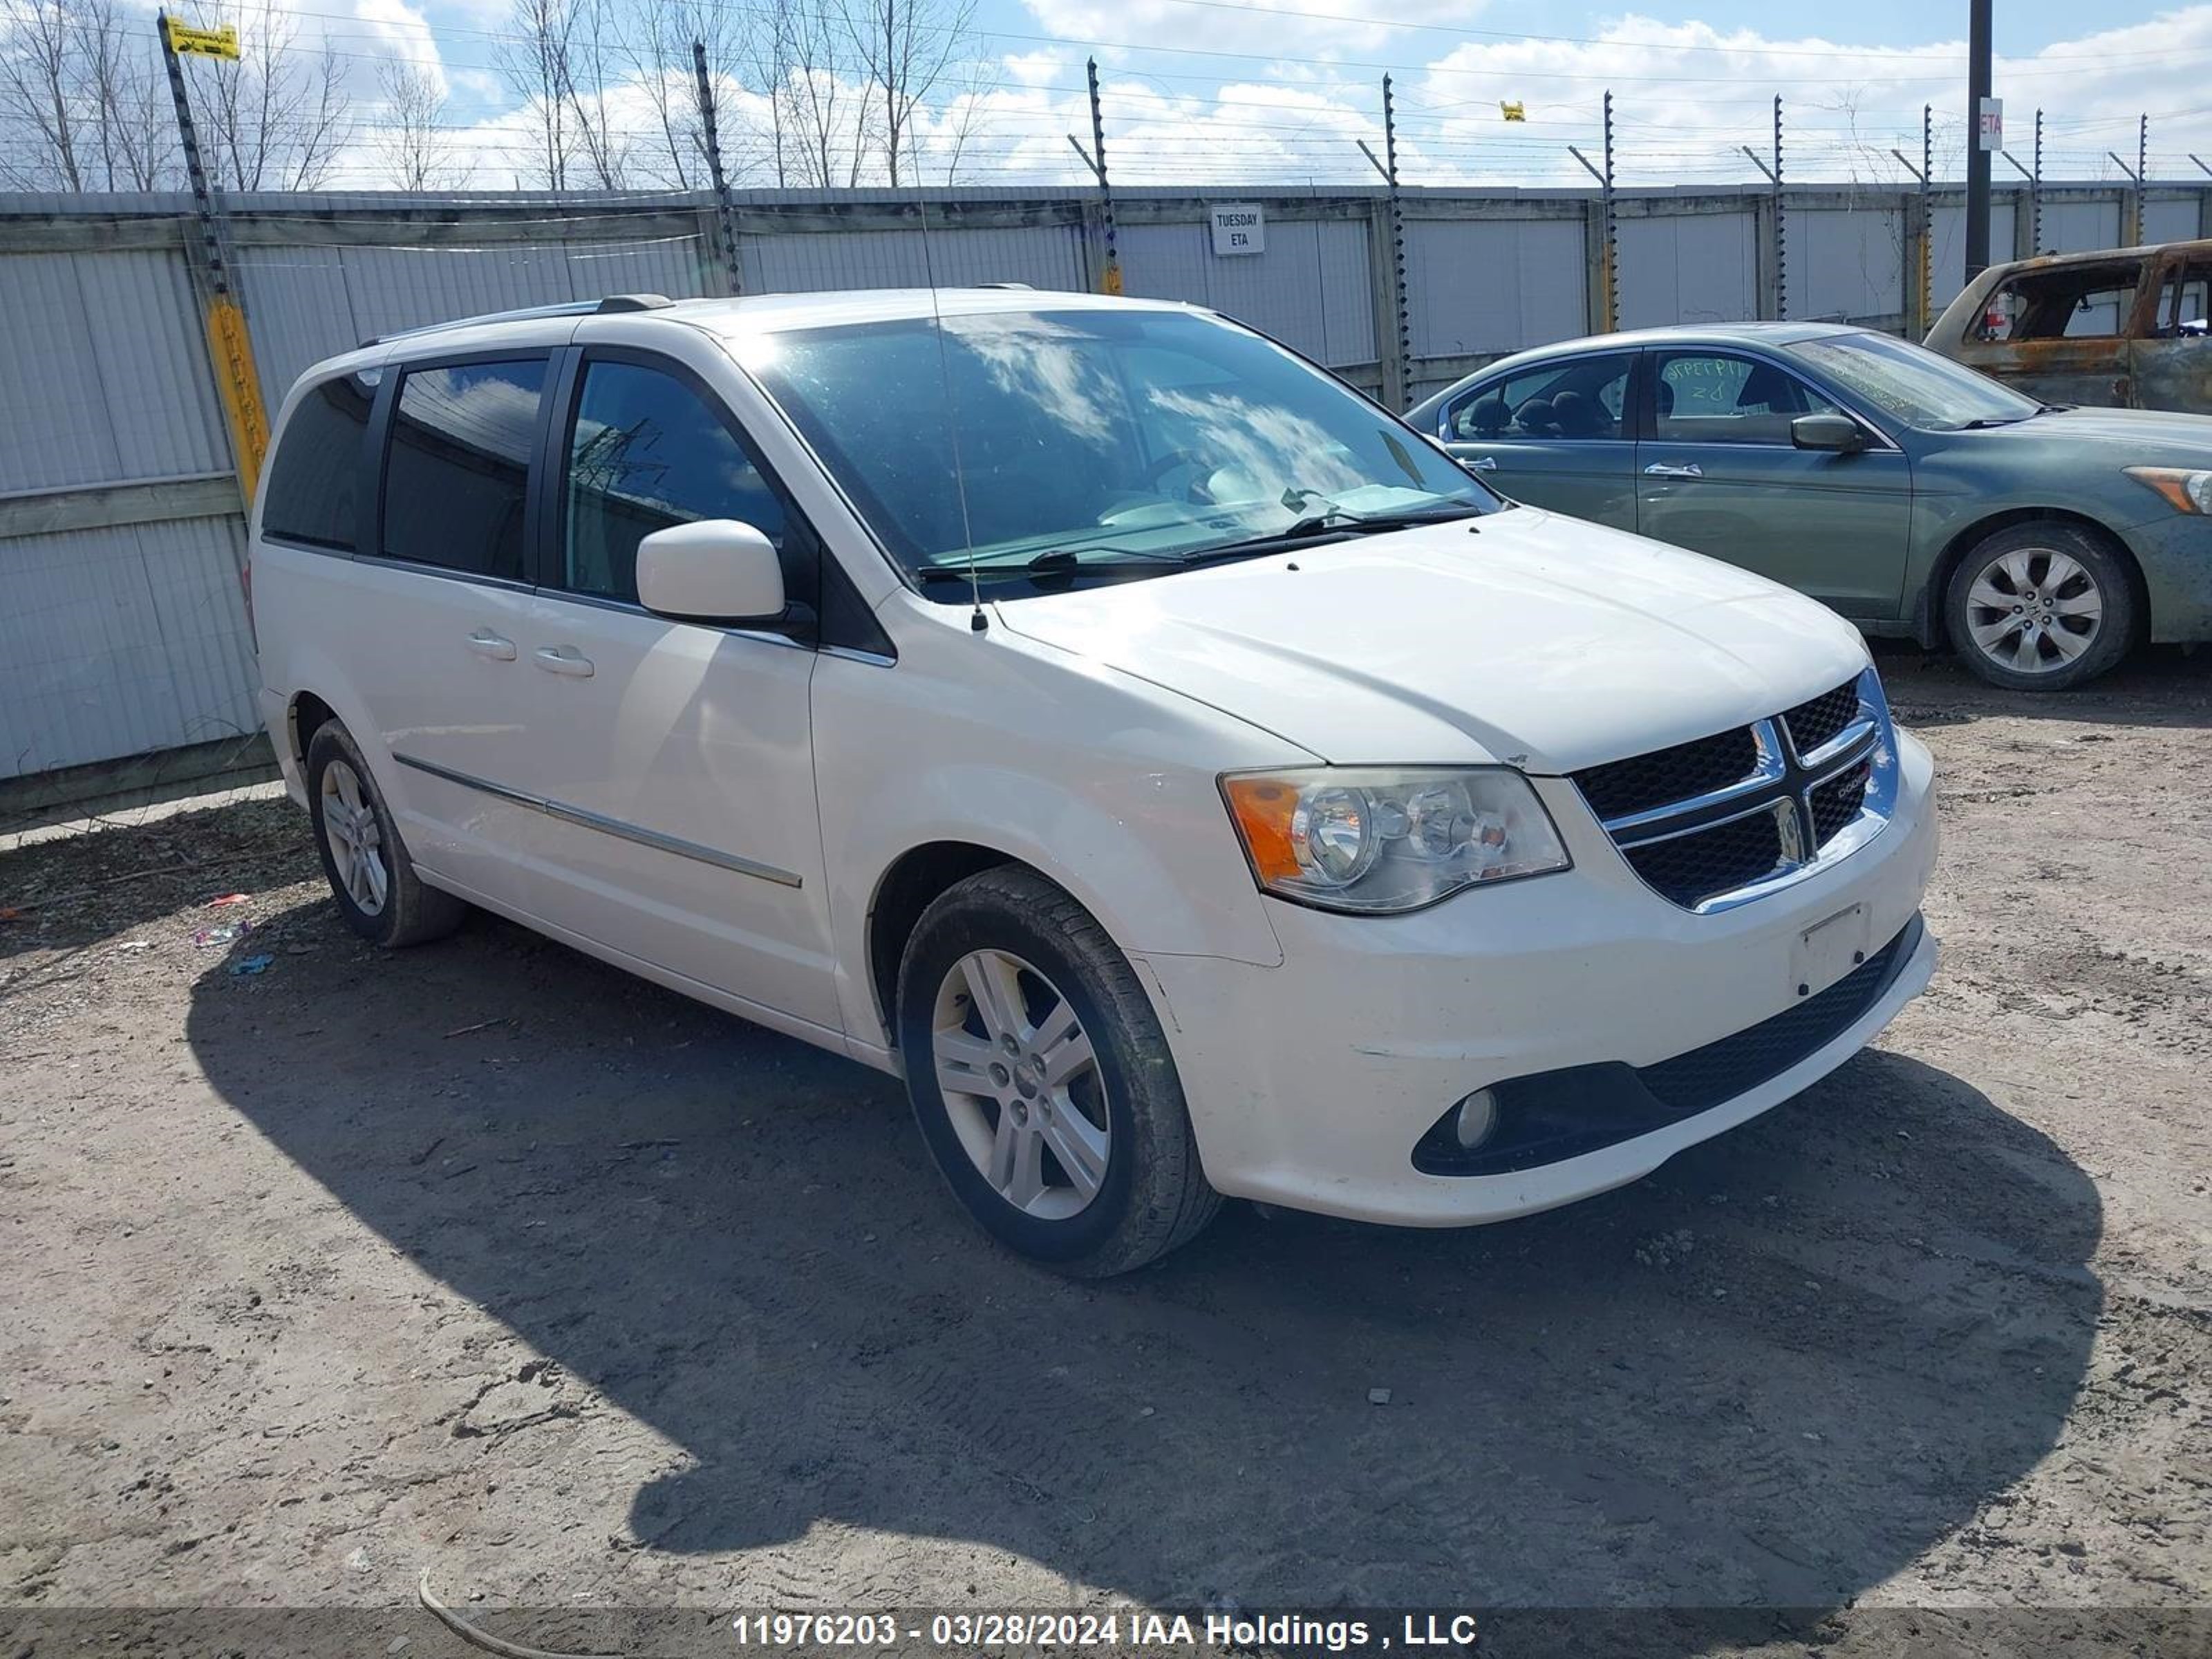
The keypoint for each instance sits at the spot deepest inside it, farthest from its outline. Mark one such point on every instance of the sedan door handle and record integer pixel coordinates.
(1660, 470)
(563, 659)
(1482, 464)
(485, 644)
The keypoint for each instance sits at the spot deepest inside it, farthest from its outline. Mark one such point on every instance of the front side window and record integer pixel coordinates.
(459, 469)
(646, 452)
(1717, 397)
(316, 470)
(2073, 302)
(1092, 437)
(1585, 398)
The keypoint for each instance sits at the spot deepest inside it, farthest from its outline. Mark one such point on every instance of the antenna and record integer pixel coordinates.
(977, 623)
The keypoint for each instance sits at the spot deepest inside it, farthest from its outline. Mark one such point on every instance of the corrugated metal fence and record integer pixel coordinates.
(122, 630)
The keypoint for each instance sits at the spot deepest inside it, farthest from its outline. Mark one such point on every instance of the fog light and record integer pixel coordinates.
(1474, 1118)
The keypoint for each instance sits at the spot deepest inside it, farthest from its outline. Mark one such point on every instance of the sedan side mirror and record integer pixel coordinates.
(712, 570)
(1838, 433)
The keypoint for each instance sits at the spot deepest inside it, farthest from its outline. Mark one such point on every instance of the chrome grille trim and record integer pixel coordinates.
(1783, 784)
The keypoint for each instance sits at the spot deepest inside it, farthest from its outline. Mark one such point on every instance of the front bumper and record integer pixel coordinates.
(2174, 553)
(1310, 1083)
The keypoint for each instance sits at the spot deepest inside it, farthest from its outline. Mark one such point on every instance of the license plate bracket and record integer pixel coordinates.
(1825, 952)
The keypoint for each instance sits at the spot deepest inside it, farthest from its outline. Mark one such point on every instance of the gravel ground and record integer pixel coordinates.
(487, 1262)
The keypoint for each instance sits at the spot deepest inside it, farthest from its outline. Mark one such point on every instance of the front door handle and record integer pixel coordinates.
(563, 659)
(1482, 464)
(1660, 470)
(487, 644)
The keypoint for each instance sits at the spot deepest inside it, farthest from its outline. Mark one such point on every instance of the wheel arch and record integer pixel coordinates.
(1929, 623)
(305, 715)
(914, 881)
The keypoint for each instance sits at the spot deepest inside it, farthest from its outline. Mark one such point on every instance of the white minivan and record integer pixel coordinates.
(1181, 771)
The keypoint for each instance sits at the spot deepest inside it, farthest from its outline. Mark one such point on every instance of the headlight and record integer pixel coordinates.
(1385, 838)
(2185, 491)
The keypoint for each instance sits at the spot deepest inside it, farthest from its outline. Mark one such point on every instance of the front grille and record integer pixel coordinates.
(1837, 802)
(1687, 868)
(1820, 721)
(1550, 1115)
(1644, 782)
(1702, 821)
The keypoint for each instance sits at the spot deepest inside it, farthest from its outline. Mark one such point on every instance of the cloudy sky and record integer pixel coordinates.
(1215, 91)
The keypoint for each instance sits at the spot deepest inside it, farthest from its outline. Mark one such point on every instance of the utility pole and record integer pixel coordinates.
(230, 347)
(725, 218)
(1978, 152)
(1401, 368)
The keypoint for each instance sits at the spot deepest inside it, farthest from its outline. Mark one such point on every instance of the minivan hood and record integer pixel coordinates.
(1524, 637)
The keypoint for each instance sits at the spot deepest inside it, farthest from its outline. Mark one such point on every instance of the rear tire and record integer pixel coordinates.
(371, 875)
(2041, 606)
(1042, 1081)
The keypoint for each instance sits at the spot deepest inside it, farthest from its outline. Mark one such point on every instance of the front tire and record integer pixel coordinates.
(371, 875)
(1042, 1081)
(2041, 606)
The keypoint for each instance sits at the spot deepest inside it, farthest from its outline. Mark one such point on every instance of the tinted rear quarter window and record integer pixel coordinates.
(457, 475)
(316, 471)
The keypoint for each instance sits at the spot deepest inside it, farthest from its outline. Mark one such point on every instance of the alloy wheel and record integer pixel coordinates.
(1021, 1084)
(2034, 610)
(356, 841)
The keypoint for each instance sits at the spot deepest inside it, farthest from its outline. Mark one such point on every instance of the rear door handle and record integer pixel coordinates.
(1482, 464)
(1660, 470)
(486, 644)
(563, 659)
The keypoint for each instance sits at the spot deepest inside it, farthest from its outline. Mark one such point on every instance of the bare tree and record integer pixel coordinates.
(411, 138)
(275, 117)
(768, 58)
(906, 48)
(534, 62)
(591, 77)
(81, 107)
(819, 117)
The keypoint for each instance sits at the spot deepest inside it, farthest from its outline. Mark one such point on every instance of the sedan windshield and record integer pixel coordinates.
(1047, 445)
(1912, 383)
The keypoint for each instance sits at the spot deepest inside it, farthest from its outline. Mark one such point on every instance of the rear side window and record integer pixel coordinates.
(648, 453)
(313, 476)
(1583, 398)
(458, 473)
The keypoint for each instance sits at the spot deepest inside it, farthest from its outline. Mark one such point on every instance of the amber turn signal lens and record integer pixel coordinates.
(1263, 808)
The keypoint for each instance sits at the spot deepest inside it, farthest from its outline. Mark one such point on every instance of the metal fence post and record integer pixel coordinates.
(724, 217)
(230, 346)
(1398, 363)
(1111, 277)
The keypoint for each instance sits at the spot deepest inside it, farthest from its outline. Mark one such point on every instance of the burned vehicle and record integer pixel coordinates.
(2122, 329)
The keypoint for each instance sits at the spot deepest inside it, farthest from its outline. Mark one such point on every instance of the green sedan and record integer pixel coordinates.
(1912, 494)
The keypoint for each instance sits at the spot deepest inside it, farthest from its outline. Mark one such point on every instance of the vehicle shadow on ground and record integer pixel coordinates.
(2156, 686)
(1769, 1377)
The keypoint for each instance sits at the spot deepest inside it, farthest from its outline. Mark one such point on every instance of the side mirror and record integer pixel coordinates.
(1837, 433)
(712, 570)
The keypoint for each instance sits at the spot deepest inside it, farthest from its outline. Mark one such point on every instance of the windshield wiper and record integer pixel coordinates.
(1055, 562)
(1336, 523)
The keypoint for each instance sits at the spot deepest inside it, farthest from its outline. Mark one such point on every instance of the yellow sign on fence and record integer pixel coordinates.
(1516, 111)
(206, 43)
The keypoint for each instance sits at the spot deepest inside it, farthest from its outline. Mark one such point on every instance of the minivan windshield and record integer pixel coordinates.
(1095, 442)
(1912, 383)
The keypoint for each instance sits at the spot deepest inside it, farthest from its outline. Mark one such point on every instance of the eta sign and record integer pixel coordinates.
(1238, 227)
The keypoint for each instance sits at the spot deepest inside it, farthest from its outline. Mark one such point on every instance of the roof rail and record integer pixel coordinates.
(611, 304)
(1025, 287)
